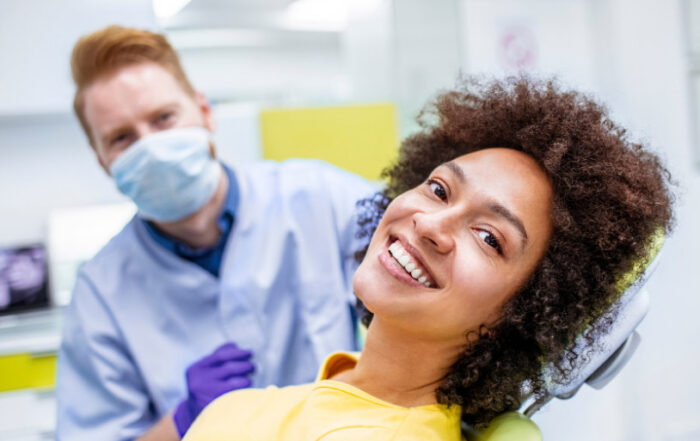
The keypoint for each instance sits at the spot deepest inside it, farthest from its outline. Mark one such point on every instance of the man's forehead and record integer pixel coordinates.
(132, 92)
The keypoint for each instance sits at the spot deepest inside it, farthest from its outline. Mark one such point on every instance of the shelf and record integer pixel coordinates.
(48, 116)
(31, 332)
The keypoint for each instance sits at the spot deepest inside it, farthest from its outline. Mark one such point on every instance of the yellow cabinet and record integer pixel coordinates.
(22, 371)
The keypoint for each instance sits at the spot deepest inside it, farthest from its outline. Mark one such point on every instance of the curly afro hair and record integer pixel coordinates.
(610, 196)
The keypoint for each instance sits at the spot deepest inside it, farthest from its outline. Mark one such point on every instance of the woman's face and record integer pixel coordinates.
(449, 253)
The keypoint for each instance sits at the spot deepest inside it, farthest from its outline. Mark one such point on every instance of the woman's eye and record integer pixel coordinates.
(490, 240)
(437, 189)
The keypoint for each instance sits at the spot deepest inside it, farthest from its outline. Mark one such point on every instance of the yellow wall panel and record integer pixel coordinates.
(361, 139)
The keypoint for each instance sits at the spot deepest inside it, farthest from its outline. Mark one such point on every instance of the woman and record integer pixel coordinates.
(504, 227)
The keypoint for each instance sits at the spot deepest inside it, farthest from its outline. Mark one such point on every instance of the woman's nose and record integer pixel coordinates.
(436, 229)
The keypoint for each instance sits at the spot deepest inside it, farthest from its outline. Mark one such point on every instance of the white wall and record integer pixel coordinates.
(542, 37)
(36, 37)
(426, 53)
(286, 74)
(37, 157)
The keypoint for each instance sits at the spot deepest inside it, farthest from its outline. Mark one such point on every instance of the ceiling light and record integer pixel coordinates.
(322, 15)
(165, 9)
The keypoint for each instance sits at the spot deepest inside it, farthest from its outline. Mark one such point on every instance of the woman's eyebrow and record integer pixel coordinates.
(457, 170)
(514, 220)
(493, 206)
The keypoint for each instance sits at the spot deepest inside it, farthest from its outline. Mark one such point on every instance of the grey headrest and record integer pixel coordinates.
(613, 349)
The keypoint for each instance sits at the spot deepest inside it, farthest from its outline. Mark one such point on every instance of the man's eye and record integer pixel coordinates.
(437, 189)
(490, 240)
(119, 138)
(164, 116)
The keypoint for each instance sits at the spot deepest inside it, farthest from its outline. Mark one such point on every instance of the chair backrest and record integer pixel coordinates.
(602, 362)
(613, 349)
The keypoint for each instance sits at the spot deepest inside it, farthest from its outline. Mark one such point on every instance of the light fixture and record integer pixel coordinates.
(321, 15)
(165, 9)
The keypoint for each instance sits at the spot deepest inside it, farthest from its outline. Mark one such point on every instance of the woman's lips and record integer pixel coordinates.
(399, 262)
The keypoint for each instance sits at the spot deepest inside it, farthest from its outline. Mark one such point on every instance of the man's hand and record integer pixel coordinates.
(224, 370)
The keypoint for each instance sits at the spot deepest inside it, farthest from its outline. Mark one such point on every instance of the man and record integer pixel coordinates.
(241, 274)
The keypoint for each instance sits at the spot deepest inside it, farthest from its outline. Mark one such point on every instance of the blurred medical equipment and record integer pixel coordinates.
(23, 279)
(605, 358)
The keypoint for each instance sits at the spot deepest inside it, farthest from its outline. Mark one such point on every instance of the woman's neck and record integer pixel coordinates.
(398, 369)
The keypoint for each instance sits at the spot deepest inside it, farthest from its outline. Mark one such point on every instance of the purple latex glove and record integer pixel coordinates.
(222, 371)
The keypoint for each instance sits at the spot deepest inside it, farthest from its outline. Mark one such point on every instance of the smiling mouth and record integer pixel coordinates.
(411, 265)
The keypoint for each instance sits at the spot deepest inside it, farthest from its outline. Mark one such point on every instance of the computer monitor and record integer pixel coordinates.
(24, 278)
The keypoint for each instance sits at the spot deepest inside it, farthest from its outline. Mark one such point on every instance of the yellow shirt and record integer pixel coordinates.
(325, 410)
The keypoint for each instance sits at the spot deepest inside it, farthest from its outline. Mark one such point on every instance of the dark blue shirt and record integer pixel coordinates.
(207, 258)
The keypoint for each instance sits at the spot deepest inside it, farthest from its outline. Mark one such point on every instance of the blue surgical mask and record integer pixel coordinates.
(170, 174)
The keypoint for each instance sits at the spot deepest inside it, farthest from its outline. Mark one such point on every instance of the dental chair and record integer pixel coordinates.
(611, 353)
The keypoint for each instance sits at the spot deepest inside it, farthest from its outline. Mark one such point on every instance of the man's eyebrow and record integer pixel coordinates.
(167, 107)
(113, 132)
(514, 220)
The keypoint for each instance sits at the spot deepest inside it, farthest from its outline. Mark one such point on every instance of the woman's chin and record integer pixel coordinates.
(362, 283)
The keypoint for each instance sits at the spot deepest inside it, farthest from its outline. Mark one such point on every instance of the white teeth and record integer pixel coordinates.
(404, 259)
